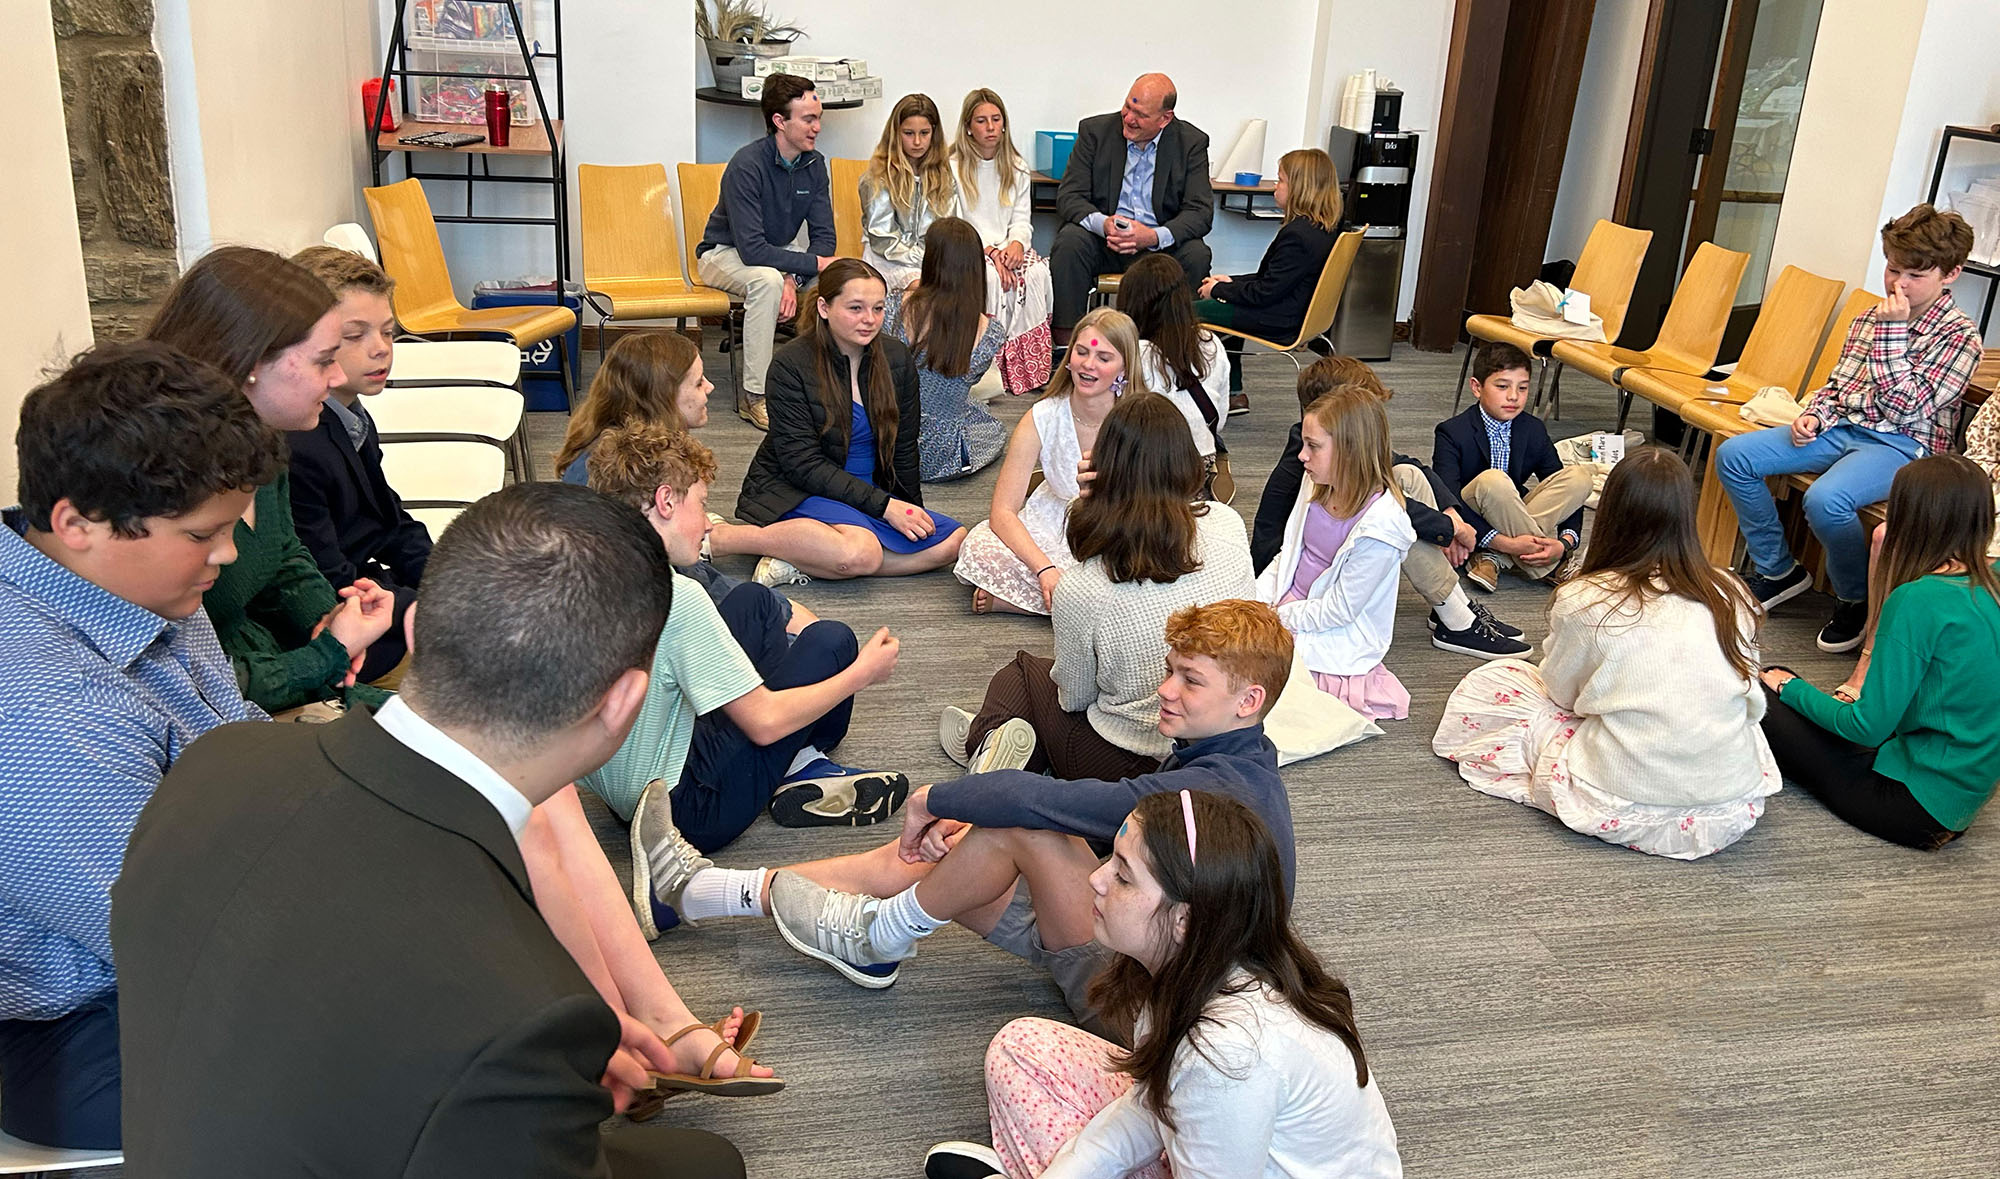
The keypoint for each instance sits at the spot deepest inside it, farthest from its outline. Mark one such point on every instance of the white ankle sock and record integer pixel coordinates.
(900, 922)
(806, 757)
(1456, 611)
(724, 892)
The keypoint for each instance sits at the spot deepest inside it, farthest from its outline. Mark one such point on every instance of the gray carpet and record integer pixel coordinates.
(1810, 1002)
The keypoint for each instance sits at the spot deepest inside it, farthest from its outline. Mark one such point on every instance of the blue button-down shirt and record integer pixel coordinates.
(98, 698)
(1135, 196)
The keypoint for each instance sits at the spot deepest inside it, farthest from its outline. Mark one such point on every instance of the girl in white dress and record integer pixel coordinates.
(907, 186)
(1640, 726)
(1014, 559)
(994, 194)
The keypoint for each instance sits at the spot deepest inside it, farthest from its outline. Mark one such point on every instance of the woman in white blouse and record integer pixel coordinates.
(994, 194)
(907, 186)
(1245, 1058)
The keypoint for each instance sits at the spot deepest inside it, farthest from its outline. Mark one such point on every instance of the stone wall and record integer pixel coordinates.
(115, 112)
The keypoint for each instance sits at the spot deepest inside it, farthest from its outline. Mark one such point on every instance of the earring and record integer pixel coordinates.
(252, 379)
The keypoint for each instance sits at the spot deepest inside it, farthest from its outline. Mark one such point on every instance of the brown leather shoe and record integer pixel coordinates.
(751, 409)
(1566, 569)
(1239, 403)
(1483, 571)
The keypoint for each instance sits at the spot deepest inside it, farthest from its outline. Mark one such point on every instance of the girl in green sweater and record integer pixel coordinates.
(1916, 755)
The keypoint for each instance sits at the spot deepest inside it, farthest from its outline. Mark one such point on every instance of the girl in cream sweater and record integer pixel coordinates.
(1640, 726)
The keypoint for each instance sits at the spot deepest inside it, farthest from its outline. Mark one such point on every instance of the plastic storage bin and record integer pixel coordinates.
(541, 378)
(1052, 152)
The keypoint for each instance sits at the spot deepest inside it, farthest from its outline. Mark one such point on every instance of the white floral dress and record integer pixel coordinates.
(985, 561)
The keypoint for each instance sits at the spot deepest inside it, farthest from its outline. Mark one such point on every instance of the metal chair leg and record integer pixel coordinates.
(1464, 372)
(603, 330)
(1624, 408)
(568, 380)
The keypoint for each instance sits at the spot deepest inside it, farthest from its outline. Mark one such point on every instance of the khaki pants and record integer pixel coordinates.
(1425, 564)
(762, 289)
(1552, 501)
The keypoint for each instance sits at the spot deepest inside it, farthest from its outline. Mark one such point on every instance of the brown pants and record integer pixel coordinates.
(1065, 743)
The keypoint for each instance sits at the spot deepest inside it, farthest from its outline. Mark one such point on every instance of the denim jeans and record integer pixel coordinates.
(1855, 467)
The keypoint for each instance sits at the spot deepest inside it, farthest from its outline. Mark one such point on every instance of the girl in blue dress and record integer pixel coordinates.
(835, 489)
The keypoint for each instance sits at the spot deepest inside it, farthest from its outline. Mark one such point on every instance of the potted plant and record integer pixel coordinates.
(737, 33)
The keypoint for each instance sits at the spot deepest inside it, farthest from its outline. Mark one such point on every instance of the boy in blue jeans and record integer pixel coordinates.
(1892, 397)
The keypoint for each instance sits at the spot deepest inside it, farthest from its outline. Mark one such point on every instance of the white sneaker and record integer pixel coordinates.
(1006, 748)
(954, 725)
(773, 572)
(961, 1160)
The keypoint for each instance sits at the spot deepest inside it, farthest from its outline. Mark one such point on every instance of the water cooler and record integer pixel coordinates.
(1375, 168)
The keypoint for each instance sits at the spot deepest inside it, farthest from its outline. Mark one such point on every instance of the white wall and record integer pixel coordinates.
(1849, 127)
(1407, 43)
(1052, 69)
(1589, 187)
(264, 117)
(1952, 80)
(48, 315)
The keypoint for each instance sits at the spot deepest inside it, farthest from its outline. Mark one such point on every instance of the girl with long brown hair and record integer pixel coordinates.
(907, 186)
(1014, 559)
(269, 325)
(994, 194)
(953, 343)
(1640, 725)
(834, 490)
(1246, 1059)
(1180, 359)
(1912, 759)
(652, 378)
(1271, 301)
(1145, 548)
(1334, 578)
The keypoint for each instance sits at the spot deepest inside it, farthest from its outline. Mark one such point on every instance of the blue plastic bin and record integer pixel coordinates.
(541, 379)
(1052, 152)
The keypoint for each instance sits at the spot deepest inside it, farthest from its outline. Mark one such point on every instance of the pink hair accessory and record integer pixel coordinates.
(1187, 813)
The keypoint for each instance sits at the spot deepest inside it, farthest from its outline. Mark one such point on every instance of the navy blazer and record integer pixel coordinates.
(353, 523)
(1183, 200)
(1461, 454)
(1272, 301)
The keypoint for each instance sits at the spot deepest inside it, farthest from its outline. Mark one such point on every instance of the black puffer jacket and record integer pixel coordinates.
(800, 456)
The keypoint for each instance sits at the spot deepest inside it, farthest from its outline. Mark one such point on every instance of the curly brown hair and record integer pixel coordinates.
(632, 461)
(1925, 237)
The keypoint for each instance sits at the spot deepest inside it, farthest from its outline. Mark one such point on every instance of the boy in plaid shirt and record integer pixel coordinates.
(1893, 397)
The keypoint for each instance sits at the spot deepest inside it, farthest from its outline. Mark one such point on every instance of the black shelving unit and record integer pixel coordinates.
(1990, 273)
(542, 139)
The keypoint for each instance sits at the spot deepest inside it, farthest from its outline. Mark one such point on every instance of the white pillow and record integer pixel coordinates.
(1308, 722)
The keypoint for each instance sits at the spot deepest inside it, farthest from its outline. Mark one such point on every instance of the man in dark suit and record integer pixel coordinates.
(330, 959)
(1487, 454)
(1137, 180)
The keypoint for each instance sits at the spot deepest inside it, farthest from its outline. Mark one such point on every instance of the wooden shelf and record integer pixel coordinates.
(724, 98)
(1265, 189)
(522, 141)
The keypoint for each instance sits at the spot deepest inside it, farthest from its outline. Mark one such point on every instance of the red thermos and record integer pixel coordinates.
(499, 114)
(371, 92)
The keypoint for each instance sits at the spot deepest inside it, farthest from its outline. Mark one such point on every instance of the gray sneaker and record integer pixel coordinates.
(954, 725)
(656, 896)
(832, 927)
(1006, 748)
(772, 572)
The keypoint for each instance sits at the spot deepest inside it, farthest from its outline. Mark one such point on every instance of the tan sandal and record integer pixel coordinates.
(648, 1102)
(739, 1084)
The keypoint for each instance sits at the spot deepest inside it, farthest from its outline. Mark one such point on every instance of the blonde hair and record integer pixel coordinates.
(1005, 158)
(1353, 417)
(1315, 188)
(890, 169)
(1116, 327)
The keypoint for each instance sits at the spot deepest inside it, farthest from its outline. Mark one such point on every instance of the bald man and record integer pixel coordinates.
(1137, 181)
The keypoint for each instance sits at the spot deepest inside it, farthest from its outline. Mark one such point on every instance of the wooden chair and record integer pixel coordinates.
(844, 177)
(1606, 271)
(701, 191)
(1781, 345)
(1325, 299)
(1689, 337)
(1719, 418)
(631, 254)
(424, 301)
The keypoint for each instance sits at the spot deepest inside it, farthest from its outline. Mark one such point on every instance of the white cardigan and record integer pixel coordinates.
(1344, 625)
(1663, 720)
(1215, 384)
(1259, 1092)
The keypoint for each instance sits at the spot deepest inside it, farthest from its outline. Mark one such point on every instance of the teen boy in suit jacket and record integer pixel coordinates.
(348, 975)
(1137, 180)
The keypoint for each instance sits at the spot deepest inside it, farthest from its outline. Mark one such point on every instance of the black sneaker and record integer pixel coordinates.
(1843, 632)
(824, 794)
(961, 1160)
(1772, 590)
(1480, 612)
(1480, 640)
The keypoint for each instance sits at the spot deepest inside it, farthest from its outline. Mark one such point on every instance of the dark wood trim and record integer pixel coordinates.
(1722, 122)
(1649, 51)
(1458, 169)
